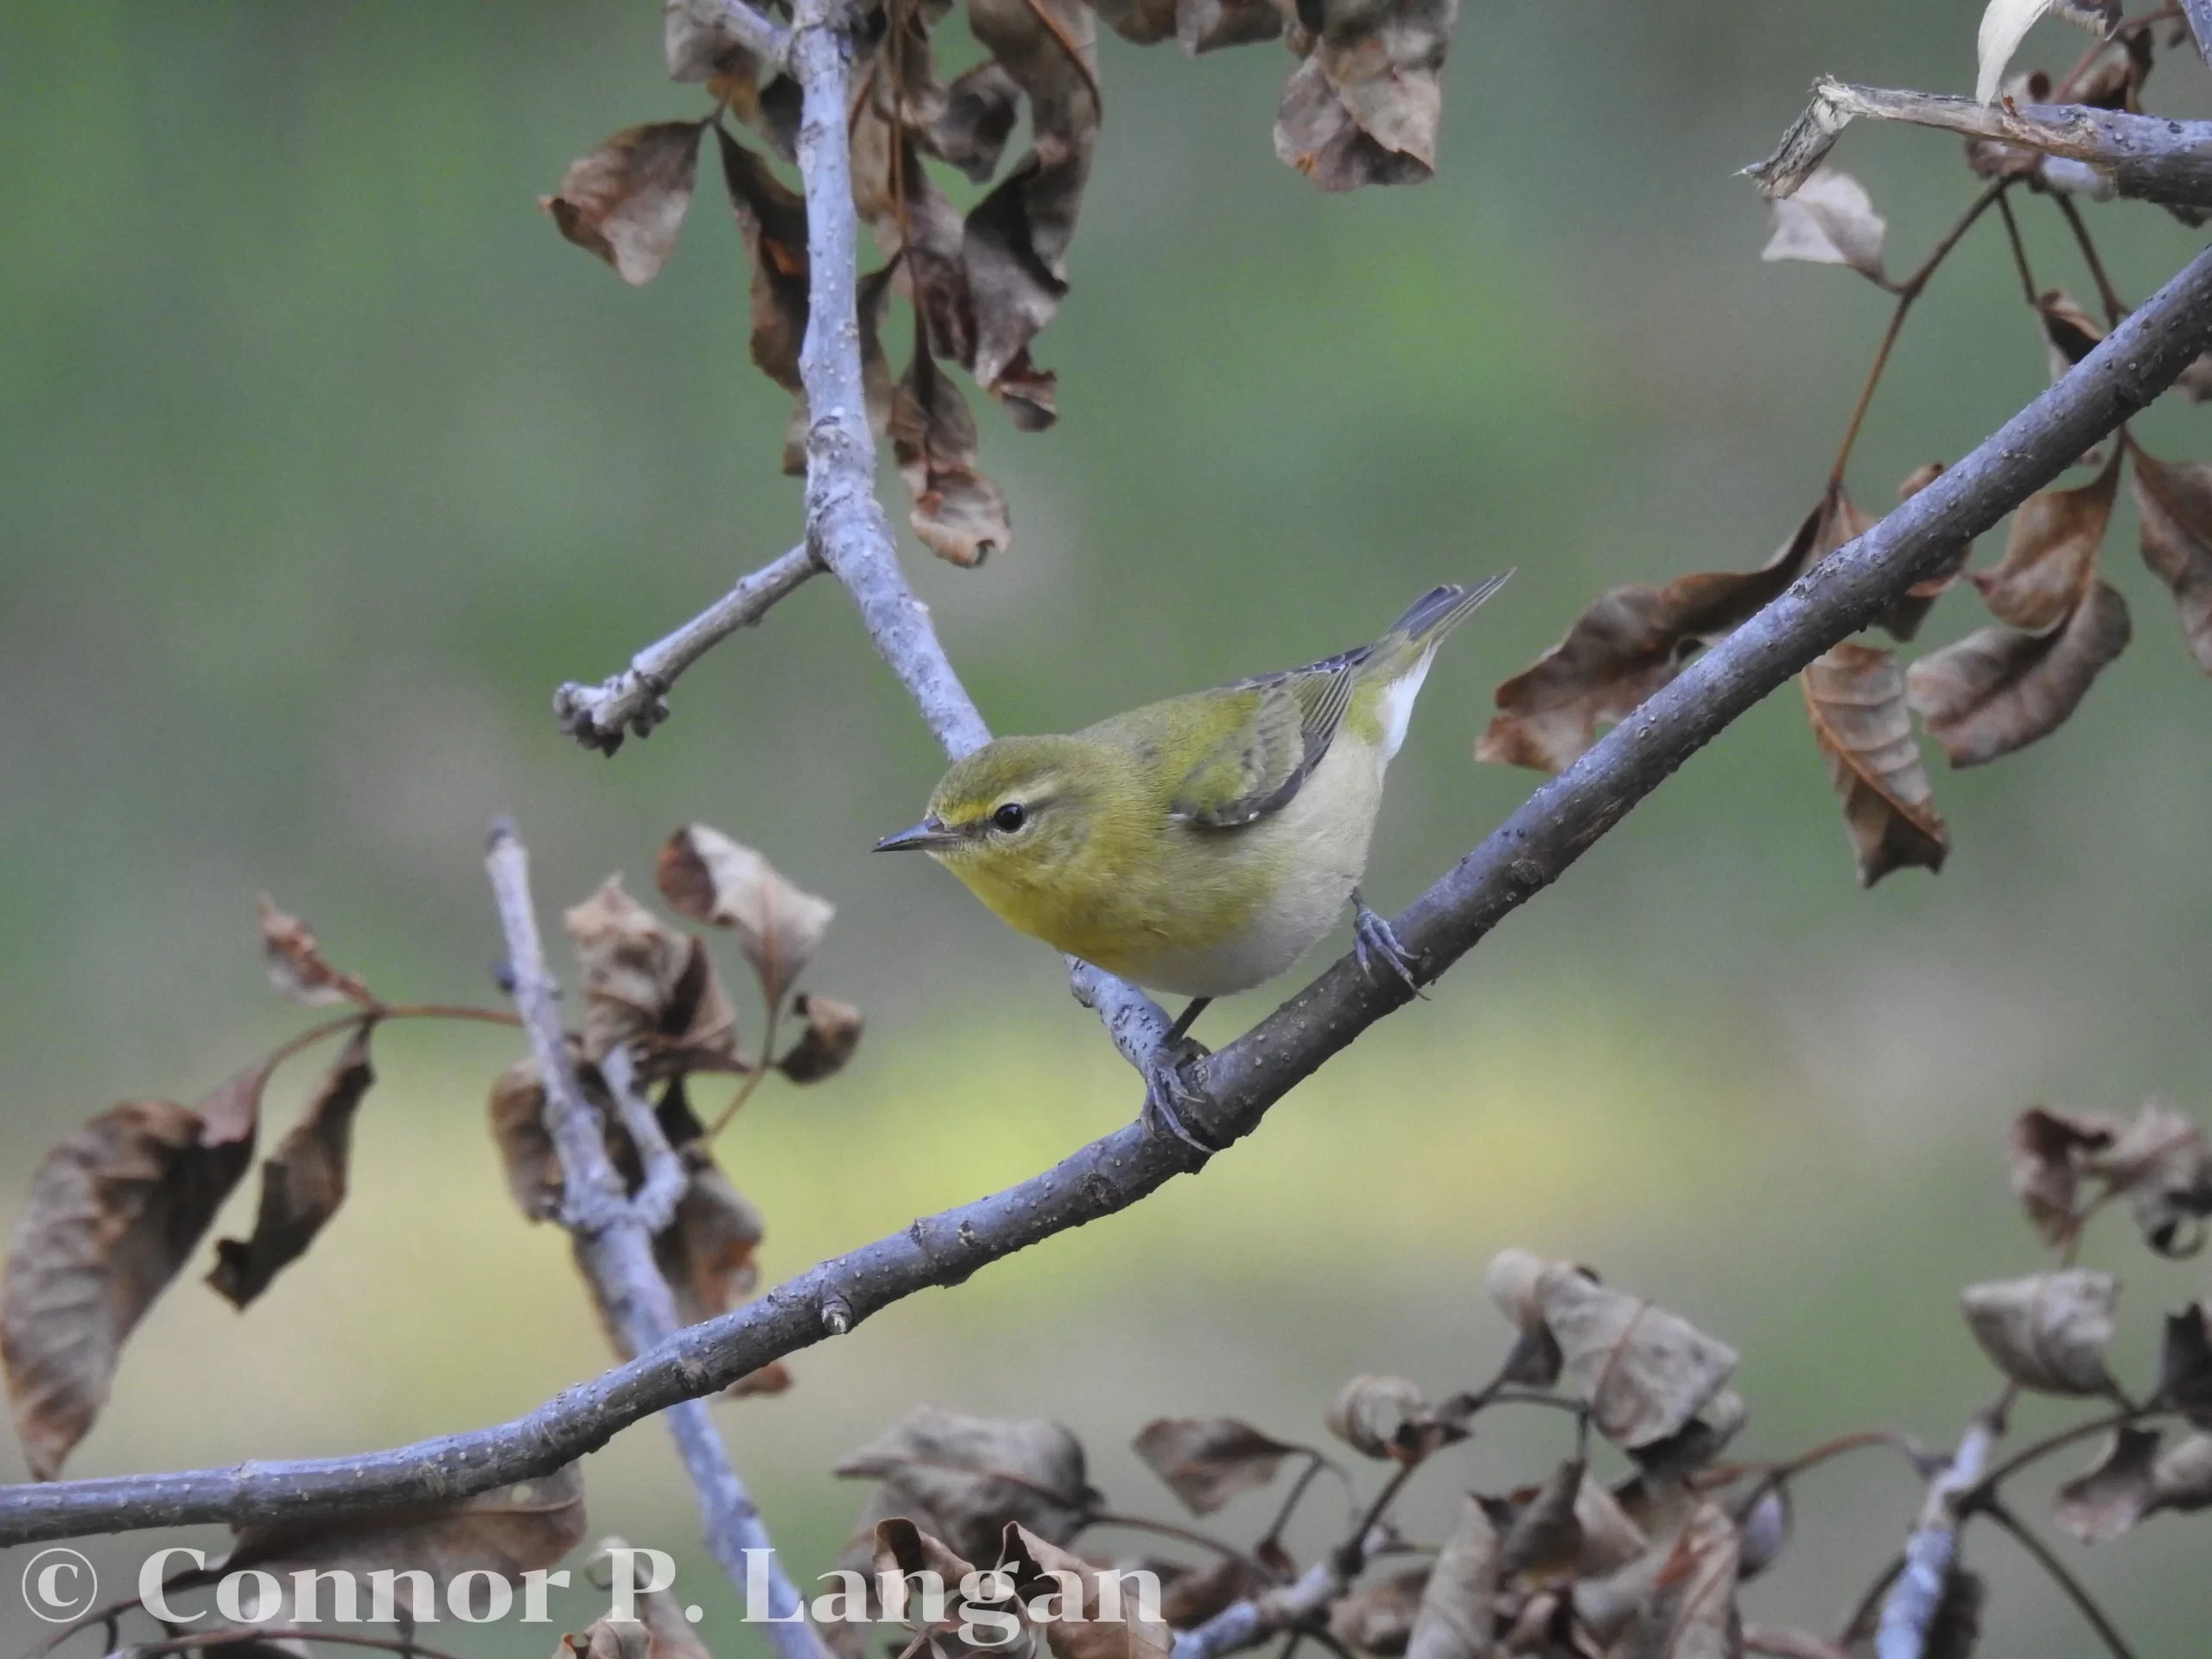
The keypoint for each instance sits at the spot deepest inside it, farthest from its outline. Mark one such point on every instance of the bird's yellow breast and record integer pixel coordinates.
(1196, 911)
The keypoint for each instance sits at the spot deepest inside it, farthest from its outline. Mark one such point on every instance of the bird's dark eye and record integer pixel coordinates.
(1011, 817)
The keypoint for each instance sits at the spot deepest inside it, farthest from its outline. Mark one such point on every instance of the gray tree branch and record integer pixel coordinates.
(1840, 595)
(614, 1241)
(636, 700)
(1909, 1611)
(2142, 156)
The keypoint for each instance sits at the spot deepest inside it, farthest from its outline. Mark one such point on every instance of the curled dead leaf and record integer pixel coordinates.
(710, 878)
(1458, 1607)
(625, 202)
(2048, 1332)
(296, 962)
(1646, 1373)
(1997, 689)
(1080, 1622)
(1378, 1613)
(2114, 1495)
(113, 1213)
(1631, 641)
(1364, 105)
(2046, 1154)
(2162, 1165)
(832, 1035)
(964, 1478)
(1690, 1610)
(1855, 696)
(302, 1184)
(1829, 220)
(1390, 1417)
(1206, 1461)
(2185, 1363)
(2174, 501)
(2051, 557)
(958, 514)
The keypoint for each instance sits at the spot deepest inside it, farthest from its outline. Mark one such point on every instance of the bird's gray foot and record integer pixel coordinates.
(1169, 1092)
(1377, 947)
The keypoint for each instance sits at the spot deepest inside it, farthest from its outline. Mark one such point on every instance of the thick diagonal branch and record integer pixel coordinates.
(1845, 593)
(613, 1239)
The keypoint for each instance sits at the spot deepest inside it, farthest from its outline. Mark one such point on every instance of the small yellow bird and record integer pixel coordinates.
(1204, 845)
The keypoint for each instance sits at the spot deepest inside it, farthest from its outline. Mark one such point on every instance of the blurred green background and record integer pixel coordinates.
(325, 459)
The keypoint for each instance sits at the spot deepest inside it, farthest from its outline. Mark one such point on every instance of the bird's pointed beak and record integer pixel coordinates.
(926, 837)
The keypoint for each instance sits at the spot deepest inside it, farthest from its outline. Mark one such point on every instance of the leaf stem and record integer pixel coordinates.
(2115, 308)
(1907, 292)
(1185, 1535)
(2062, 1575)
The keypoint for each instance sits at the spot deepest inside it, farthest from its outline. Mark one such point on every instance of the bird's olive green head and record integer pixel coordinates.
(1019, 813)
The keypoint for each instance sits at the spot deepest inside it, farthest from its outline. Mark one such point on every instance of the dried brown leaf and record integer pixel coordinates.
(2174, 502)
(964, 1478)
(1631, 641)
(1087, 1629)
(1855, 697)
(631, 963)
(1763, 1532)
(526, 1150)
(1189, 1596)
(1512, 1279)
(1016, 238)
(1646, 1373)
(1998, 691)
(2182, 1479)
(1388, 1417)
(2069, 332)
(958, 514)
(1206, 1461)
(1543, 1538)
(2162, 1165)
(2050, 558)
(2048, 1332)
(1829, 221)
(1209, 25)
(1378, 1613)
(508, 1531)
(660, 1631)
(113, 1213)
(295, 963)
(772, 217)
(302, 1184)
(2045, 1155)
(1690, 1611)
(625, 202)
(2114, 1495)
(1458, 1612)
(1364, 105)
(2185, 1363)
(710, 878)
(832, 1035)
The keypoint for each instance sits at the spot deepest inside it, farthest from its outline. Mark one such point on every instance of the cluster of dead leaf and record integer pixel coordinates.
(2055, 622)
(118, 1207)
(1645, 1563)
(1361, 107)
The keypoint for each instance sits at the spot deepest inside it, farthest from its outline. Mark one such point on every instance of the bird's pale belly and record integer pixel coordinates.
(1287, 880)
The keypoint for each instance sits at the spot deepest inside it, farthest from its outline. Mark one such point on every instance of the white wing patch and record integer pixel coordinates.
(1397, 703)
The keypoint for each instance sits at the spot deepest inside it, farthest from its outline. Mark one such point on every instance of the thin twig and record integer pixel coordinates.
(2107, 296)
(1907, 292)
(2062, 1576)
(613, 1240)
(1182, 1533)
(1909, 1613)
(2029, 291)
(636, 700)
(1534, 845)
(665, 1177)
